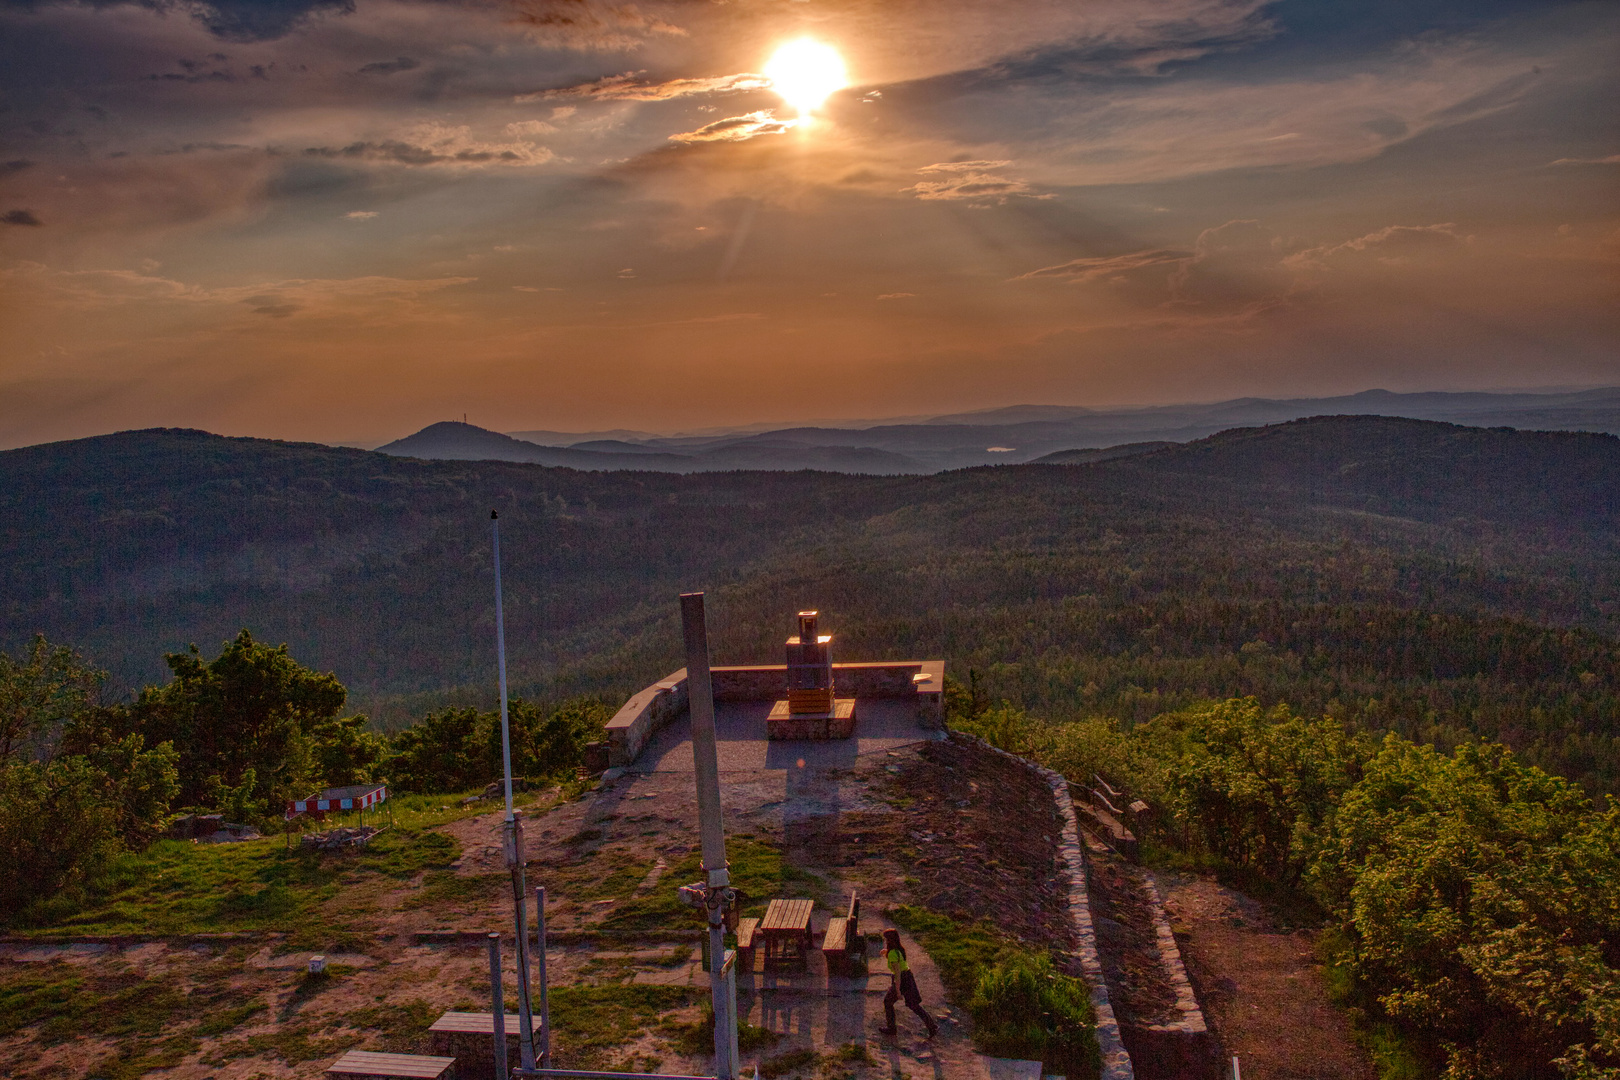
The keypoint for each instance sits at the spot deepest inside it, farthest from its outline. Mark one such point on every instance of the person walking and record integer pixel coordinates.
(902, 984)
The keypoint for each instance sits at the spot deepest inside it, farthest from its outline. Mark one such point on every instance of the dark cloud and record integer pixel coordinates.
(231, 20)
(390, 67)
(628, 87)
(194, 77)
(20, 217)
(589, 25)
(16, 165)
(276, 311)
(401, 153)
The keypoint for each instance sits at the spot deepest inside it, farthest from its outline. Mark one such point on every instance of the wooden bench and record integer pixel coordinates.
(842, 939)
(365, 1063)
(747, 930)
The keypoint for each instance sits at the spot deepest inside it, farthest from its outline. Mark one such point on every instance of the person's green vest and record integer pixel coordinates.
(897, 962)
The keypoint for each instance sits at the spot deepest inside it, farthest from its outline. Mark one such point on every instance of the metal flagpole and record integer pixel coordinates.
(512, 833)
(540, 949)
(718, 894)
(496, 1005)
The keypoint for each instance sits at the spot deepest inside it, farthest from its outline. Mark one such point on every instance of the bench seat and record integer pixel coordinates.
(747, 931)
(843, 938)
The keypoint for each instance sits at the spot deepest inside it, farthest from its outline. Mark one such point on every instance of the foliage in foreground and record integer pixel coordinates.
(1474, 899)
(83, 784)
(1022, 1006)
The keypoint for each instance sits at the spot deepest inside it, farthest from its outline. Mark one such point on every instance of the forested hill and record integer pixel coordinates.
(1435, 579)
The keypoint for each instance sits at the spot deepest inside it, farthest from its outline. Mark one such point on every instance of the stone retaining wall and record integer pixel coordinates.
(1116, 1061)
(1183, 1046)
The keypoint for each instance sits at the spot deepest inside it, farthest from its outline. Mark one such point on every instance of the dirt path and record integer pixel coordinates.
(1261, 987)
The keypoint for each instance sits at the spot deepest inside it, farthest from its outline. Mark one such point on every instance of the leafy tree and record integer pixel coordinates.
(68, 802)
(1481, 897)
(347, 753)
(39, 693)
(454, 749)
(253, 709)
(446, 750)
(1255, 786)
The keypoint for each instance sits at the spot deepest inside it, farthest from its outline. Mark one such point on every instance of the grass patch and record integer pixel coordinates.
(135, 1063)
(678, 956)
(224, 1020)
(789, 1061)
(403, 1025)
(177, 887)
(697, 1037)
(757, 869)
(587, 1021)
(446, 887)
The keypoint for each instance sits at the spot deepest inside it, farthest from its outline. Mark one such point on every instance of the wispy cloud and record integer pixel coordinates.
(1391, 244)
(970, 181)
(390, 67)
(437, 144)
(1106, 266)
(631, 87)
(1612, 159)
(737, 128)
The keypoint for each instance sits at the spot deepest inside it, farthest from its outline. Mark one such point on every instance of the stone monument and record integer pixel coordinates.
(810, 711)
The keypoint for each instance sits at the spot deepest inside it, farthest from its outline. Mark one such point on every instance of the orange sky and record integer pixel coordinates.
(318, 220)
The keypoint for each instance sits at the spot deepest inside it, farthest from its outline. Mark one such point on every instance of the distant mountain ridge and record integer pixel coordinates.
(1021, 433)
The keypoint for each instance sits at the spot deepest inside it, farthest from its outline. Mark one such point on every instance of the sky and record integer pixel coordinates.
(342, 220)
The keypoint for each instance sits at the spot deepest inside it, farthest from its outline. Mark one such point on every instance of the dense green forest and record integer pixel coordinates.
(1434, 580)
(1471, 901)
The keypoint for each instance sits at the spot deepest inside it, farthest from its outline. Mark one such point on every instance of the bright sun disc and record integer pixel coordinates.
(805, 73)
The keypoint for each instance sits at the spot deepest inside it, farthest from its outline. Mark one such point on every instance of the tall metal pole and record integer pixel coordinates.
(513, 829)
(497, 1006)
(540, 949)
(705, 759)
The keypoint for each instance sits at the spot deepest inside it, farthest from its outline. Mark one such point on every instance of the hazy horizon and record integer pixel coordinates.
(342, 220)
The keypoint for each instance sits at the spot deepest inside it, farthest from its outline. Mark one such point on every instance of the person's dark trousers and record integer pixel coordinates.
(907, 988)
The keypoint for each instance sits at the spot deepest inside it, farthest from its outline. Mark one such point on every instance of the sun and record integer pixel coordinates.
(805, 73)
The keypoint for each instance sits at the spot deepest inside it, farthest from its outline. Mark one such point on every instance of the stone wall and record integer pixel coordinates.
(651, 709)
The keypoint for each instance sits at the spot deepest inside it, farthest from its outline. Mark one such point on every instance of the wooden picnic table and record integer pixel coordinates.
(402, 1066)
(787, 926)
(479, 1023)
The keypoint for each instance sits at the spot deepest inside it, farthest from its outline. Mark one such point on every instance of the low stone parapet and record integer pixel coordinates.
(651, 709)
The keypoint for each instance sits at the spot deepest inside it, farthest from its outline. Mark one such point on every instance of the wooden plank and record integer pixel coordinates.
(787, 915)
(401, 1066)
(479, 1023)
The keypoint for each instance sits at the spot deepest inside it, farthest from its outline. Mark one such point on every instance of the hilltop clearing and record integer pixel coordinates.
(196, 963)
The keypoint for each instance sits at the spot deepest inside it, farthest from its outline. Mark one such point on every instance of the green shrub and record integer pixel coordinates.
(1023, 1007)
